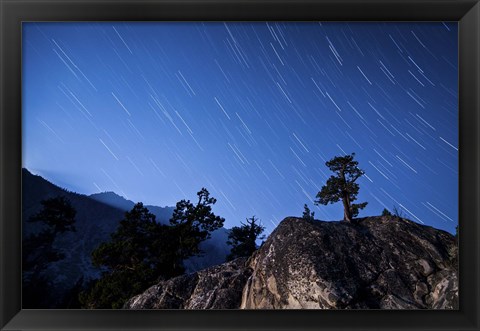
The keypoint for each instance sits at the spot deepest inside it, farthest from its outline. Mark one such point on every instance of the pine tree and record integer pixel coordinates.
(139, 254)
(342, 186)
(193, 223)
(386, 212)
(397, 212)
(307, 214)
(243, 238)
(56, 217)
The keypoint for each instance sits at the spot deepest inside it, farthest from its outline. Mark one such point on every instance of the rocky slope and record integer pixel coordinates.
(377, 263)
(218, 287)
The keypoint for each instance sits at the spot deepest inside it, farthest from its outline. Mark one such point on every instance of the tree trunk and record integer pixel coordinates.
(347, 211)
(347, 214)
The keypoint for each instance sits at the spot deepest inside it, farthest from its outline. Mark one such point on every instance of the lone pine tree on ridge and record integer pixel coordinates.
(342, 186)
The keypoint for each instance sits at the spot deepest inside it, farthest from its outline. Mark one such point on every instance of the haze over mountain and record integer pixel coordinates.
(377, 262)
(98, 216)
(251, 110)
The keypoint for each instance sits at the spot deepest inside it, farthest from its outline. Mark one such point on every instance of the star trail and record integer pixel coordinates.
(251, 111)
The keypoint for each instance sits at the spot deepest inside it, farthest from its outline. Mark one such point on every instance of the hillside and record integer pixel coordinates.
(94, 223)
(98, 216)
(377, 263)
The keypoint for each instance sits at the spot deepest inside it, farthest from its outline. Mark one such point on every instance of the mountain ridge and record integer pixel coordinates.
(97, 217)
(113, 199)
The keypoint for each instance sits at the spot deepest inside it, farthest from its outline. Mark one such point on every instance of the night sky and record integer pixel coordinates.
(251, 111)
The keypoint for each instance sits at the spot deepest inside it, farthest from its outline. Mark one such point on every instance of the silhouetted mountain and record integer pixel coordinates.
(112, 199)
(97, 217)
(377, 263)
(95, 221)
(163, 214)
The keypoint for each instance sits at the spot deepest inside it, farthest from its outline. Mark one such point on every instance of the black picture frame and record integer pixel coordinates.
(13, 12)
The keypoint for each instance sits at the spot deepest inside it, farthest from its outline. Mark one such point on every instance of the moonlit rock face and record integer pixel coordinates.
(377, 263)
(218, 287)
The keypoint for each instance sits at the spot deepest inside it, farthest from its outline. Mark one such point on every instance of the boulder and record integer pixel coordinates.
(218, 287)
(374, 263)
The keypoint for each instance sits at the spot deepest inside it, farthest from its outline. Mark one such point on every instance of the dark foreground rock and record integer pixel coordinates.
(218, 287)
(377, 263)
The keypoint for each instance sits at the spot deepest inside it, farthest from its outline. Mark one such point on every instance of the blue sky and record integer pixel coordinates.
(251, 111)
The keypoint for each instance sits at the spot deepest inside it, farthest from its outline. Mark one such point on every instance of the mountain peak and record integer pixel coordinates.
(113, 199)
(107, 193)
(97, 217)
